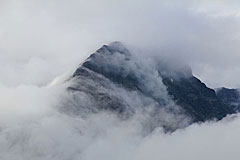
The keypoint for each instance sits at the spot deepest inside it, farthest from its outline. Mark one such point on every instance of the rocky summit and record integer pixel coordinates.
(114, 80)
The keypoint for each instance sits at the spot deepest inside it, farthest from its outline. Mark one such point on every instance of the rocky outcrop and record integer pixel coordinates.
(112, 79)
(230, 97)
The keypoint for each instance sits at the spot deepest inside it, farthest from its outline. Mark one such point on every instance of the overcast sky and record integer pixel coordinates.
(40, 40)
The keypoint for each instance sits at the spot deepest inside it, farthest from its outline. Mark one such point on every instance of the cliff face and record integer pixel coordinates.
(199, 101)
(114, 80)
(230, 97)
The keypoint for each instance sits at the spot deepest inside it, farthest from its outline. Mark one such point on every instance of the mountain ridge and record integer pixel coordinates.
(115, 80)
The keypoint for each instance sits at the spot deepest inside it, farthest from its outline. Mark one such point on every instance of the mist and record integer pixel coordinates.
(32, 127)
(39, 35)
(43, 42)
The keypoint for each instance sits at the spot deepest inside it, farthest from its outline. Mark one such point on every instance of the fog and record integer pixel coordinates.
(42, 43)
(33, 128)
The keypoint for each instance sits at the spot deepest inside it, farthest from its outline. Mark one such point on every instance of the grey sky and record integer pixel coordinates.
(44, 39)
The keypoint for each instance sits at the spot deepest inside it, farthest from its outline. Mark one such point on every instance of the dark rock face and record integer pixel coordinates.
(199, 101)
(113, 79)
(230, 97)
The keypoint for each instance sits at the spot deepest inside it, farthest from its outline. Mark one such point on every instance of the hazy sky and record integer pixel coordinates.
(40, 40)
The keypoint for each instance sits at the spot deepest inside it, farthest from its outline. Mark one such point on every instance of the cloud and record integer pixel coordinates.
(205, 141)
(55, 36)
(51, 135)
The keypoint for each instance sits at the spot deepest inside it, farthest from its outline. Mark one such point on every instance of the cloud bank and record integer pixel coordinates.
(35, 129)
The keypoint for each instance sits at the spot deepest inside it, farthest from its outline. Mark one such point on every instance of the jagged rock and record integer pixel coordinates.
(113, 79)
(230, 97)
(199, 101)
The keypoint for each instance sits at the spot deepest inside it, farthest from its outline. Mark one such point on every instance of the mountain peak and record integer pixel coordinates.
(114, 80)
(114, 47)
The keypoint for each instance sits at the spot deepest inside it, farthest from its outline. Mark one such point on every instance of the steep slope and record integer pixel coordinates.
(199, 101)
(230, 97)
(112, 79)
